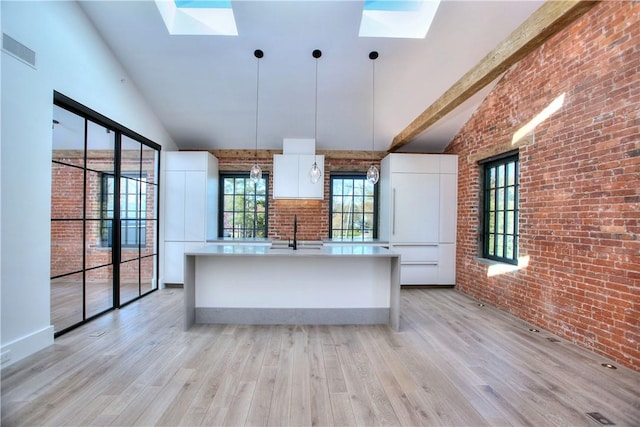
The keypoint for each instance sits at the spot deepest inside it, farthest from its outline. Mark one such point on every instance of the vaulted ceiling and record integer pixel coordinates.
(204, 87)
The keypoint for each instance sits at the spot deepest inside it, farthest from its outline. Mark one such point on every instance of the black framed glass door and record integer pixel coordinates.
(104, 216)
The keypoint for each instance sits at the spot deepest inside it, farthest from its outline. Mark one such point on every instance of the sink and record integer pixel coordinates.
(290, 251)
(284, 248)
(304, 245)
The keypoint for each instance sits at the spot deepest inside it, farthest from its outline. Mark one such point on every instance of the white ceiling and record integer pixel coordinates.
(203, 88)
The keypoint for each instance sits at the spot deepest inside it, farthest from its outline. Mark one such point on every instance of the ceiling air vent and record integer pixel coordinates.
(18, 50)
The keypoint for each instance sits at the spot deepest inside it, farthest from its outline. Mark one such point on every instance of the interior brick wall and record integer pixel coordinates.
(313, 215)
(579, 185)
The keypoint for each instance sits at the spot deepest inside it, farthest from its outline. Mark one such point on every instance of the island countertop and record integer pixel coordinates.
(302, 251)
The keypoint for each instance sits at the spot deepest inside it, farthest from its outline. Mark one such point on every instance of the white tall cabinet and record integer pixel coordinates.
(191, 207)
(418, 213)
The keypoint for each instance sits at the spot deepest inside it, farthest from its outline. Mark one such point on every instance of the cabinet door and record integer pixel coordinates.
(285, 173)
(174, 262)
(174, 259)
(174, 206)
(415, 163)
(195, 206)
(447, 264)
(415, 207)
(307, 189)
(418, 274)
(448, 207)
(186, 161)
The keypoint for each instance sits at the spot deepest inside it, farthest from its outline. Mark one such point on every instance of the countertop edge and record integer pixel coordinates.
(264, 251)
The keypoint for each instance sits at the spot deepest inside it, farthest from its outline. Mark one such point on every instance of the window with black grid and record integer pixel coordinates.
(243, 212)
(133, 208)
(353, 208)
(500, 213)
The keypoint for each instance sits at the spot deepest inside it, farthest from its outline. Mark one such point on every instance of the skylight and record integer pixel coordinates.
(198, 17)
(409, 19)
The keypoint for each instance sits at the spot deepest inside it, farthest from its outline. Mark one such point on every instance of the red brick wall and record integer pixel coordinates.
(579, 185)
(313, 215)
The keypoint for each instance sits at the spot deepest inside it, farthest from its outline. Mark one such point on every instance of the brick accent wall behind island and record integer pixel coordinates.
(579, 185)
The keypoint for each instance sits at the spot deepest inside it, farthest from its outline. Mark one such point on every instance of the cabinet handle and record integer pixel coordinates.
(393, 213)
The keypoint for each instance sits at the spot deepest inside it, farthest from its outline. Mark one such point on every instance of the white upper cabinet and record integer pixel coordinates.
(189, 161)
(285, 176)
(291, 176)
(413, 163)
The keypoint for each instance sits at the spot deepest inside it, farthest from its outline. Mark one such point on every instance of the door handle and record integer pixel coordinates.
(393, 213)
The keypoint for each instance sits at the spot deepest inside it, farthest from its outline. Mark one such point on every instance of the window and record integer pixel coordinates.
(244, 206)
(133, 207)
(353, 208)
(500, 212)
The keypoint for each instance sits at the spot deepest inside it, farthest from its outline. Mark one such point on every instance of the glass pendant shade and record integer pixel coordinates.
(373, 175)
(315, 173)
(256, 173)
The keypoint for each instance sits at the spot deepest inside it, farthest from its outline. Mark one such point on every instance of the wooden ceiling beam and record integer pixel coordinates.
(548, 20)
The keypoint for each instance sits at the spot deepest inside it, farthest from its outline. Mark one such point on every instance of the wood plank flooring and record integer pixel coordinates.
(453, 363)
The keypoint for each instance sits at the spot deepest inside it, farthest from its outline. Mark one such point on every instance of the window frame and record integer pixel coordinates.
(359, 176)
(500, 209)
(221, 211)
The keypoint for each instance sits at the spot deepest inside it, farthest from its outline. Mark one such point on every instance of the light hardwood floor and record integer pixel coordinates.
(453, 363)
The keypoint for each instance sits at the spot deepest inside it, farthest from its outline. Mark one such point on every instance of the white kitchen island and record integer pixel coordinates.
(259, 284)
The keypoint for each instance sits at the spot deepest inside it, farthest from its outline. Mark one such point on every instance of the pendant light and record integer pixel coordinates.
(315, 173)
(256, 171)
(373, 174)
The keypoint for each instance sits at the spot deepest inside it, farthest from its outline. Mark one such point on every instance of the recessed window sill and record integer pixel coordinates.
(487, 261)
(496, 267)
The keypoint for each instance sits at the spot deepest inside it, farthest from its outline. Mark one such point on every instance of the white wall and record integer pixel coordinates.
(72, 59)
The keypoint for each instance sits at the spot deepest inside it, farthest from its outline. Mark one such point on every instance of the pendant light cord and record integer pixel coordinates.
(315, 126)
(373, 107)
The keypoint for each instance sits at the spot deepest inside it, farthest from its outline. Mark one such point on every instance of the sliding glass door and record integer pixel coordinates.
(138, 220)
(77, 257)
(103, 217)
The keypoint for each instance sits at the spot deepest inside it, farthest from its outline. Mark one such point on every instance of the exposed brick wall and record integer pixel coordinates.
(579, 185)
(313, 215)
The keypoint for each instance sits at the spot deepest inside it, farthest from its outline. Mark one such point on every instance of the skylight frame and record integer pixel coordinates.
(409, 19)
(198, 17)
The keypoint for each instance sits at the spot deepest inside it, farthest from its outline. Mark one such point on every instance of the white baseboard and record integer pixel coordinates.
(25, 346)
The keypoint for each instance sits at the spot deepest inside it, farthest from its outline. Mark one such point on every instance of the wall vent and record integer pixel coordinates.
(18, 50)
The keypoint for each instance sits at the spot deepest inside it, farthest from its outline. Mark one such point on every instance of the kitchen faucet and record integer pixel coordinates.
(294, 245)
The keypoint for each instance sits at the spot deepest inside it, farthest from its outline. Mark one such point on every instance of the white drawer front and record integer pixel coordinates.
(415, 253)
(419, 274)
